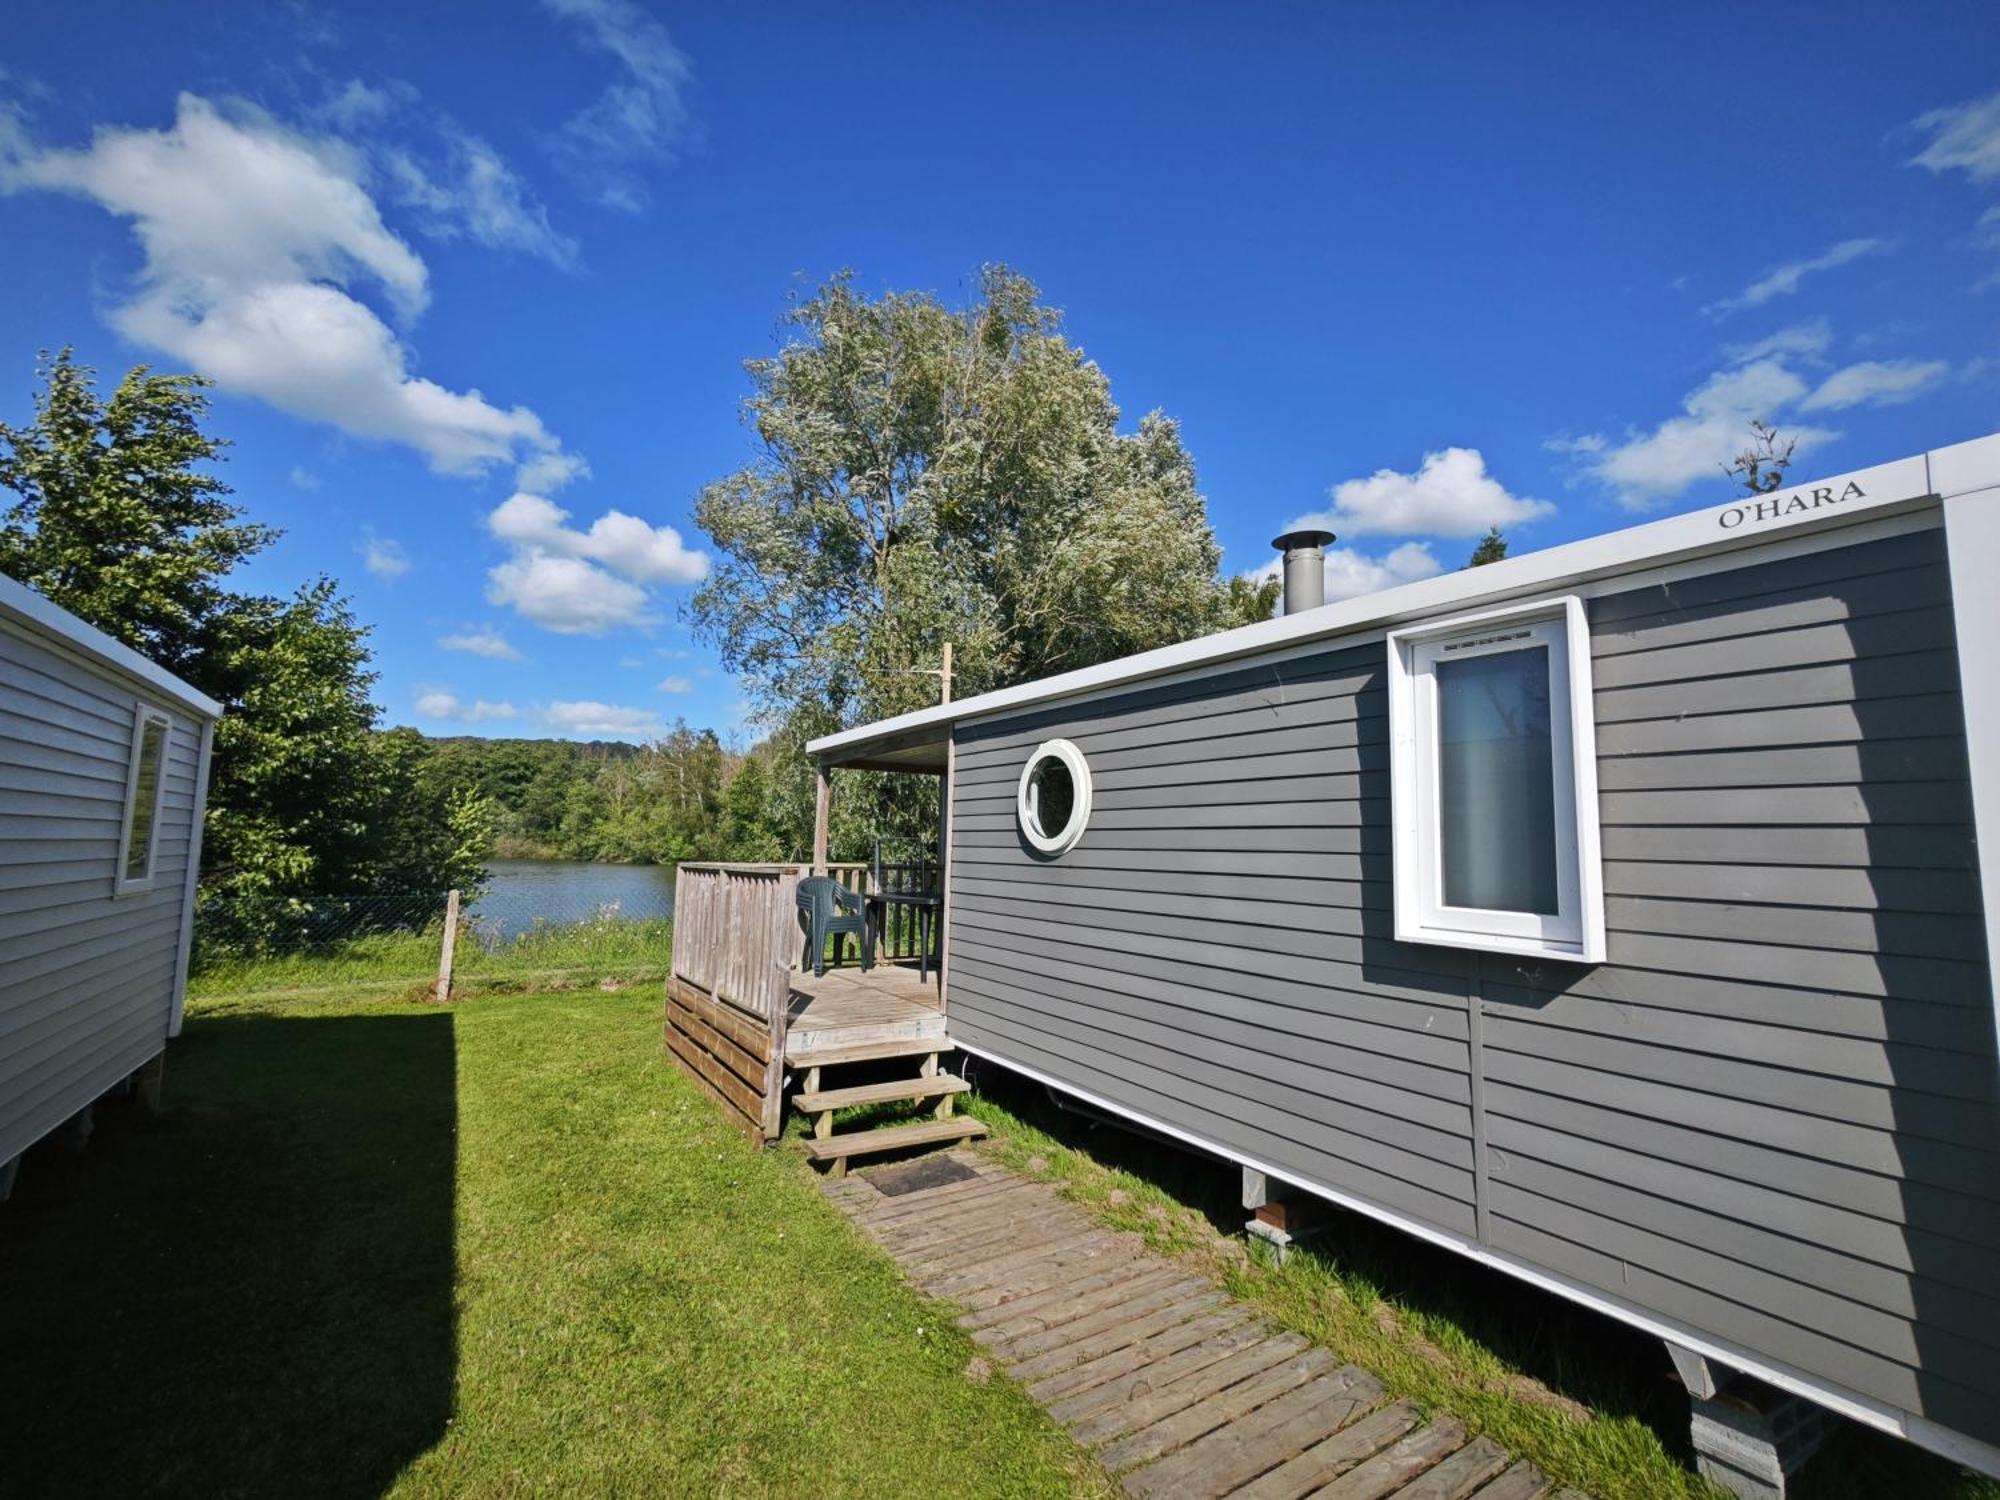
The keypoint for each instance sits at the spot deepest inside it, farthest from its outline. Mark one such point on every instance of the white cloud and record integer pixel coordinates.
(237, 200)
(562, 578)
(1963, 137)
(1875, 382)
(1782, 281)
(567, 595)
(676, 685)
(456, 183)
(442, 703)
(472, 191)
(641, 114)
(304, 479)
(604, 720)
(1350, 574)
(485, 642)
(1807, 340)
(625, 544)
(360, 105)
(1966, 138)
(545, 473)
(630, 663)
(384, 557)
(1650, 467)
(256, 238)
(1451, 494)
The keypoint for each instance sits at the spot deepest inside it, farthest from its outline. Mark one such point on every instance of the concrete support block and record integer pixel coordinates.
(1752, 1440)
(1281, 1215)
(146, 1084)
(75, 1132)
(9, 1170)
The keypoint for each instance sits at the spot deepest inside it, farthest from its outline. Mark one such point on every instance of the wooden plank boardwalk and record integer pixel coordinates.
(1176, 1386)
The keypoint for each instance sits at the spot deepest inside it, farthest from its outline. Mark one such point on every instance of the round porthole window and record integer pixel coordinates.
(1054, 800)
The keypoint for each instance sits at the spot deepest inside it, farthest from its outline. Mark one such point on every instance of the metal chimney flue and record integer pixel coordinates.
(1305, 568)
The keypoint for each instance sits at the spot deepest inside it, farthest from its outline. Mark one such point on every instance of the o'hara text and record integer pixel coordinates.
(1788, 505)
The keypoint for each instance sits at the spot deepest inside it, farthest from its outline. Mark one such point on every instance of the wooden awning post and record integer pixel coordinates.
(821, 809)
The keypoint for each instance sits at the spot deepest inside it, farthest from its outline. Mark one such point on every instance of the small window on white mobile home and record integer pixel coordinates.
(145, 783)
(1493, 781)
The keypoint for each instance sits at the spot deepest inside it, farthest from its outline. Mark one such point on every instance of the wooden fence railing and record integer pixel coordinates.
(734, 928)
(736, 943)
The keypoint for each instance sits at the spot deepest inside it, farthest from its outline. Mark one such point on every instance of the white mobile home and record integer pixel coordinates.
(103, 775)
(1620, 916)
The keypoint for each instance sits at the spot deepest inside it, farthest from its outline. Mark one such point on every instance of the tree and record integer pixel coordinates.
(752, 826)
(443, 834)
(1760, 467)
(1492, 548)
(1251, 599)
(113, 517)
(117, 518)
(931, 474)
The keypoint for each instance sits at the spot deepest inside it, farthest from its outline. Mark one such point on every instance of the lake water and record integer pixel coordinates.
(521, 891)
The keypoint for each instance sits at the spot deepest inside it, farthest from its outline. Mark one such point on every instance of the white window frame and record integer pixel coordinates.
(142, 715)
(1079, 813)
(1576, 932)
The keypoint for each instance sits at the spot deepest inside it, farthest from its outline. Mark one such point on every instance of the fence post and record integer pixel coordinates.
(450, 942)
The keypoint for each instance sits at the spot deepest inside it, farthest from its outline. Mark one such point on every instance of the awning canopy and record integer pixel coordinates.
(921, 750)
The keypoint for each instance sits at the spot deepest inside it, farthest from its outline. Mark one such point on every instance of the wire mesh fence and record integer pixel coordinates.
(506, 938)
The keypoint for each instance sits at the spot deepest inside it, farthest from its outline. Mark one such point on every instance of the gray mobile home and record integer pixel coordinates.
(1613, 915)
(103, 774)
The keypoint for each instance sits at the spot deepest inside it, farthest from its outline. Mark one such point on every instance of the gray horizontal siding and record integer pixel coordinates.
(86, 978)
(1771, 1116)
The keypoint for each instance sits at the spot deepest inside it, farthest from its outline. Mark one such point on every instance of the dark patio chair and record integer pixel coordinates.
(829, 910)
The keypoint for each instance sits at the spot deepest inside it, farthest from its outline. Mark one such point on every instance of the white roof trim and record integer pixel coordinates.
(24, 606)
(1736, 526)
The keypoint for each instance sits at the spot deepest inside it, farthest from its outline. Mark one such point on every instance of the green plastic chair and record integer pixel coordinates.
(827, 909)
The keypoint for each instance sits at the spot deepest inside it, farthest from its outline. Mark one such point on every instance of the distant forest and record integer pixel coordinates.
(684, 796)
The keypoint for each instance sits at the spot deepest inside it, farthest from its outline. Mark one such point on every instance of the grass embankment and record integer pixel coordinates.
(494, 1248)
(1592, 1402)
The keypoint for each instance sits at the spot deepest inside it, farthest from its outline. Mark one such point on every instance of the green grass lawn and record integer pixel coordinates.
(376, 1245)
(494, 1248)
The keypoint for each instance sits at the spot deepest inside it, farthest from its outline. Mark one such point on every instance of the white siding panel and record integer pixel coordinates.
(86, 980)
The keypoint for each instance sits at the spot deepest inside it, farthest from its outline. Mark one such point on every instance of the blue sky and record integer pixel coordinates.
(477, 279)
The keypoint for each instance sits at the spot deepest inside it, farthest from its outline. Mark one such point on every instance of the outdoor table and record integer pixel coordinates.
(927, 906)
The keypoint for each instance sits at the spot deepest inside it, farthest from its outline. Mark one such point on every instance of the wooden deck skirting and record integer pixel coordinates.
(1176, 1386)
(738, 1060)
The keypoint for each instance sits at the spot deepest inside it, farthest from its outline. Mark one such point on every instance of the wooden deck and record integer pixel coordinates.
(1177, 1387)
(846, 1007)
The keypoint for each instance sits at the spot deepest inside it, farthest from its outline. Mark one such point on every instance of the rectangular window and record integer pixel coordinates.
(1493, 780)
(145, 781)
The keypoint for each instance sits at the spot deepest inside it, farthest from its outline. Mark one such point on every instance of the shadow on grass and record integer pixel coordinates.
(252, 1294)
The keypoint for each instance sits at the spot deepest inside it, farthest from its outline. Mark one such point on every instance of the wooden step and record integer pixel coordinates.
(881, 1093)
(826, 1057)
(894, 1138)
